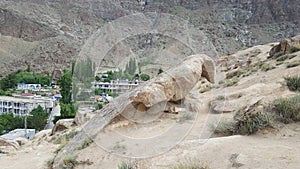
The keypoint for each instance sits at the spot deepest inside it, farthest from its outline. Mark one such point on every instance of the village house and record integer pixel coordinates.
(23, 106)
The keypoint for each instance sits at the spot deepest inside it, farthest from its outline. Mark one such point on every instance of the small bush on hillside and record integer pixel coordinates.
(185, 117)
(50, 163)
(85, 143)
(251, 123)
(224, 128)
(282, 58)
(144, 77)
(279, 63)
(203, 89)
(293, 64)
(276, 55)
(69, 162)
(127, 165)
(244, 124)
(99, 106)
(231, 82)
(266, 67)
(293, 83)
(287, 109)
(191, 164)
(220, 97)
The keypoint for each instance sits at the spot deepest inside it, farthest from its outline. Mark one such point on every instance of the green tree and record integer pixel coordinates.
(144, 77)
(28, 68)
(38, 118)
(131, 66)
(9, 81)
(8, 122)
(65, 83)
(97, 78)
(160, 71)
(98, 91)
(99, 106)
(5, 93)
(66, 111)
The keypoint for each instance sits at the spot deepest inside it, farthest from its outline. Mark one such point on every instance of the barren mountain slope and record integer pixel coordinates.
(229, 25)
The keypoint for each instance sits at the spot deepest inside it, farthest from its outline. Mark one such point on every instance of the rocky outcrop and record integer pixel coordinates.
(20, 27)
(176, 83)
(62, 125)
(83, 116)
(171, 85)
(286, 46)
(229, 25)
(8, 146)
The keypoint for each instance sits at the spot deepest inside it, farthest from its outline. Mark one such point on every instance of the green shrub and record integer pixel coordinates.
(191, 164)
(293, 83)
(5, 93)
(293, 64)
(279, 63)
(49, 163)
(99, 106)
(232, 81)
(224, 128)
(66, 137)
(251, 123)
(160, 70)
(145, 77)
(85, 143)
(244, 123)
(204, 89)
(185, 117)
(220, 97)
(69, 162)
(10, 122)
(287, 109)
(266, 67)
(282, 58)
(276, 55)
(127, 165)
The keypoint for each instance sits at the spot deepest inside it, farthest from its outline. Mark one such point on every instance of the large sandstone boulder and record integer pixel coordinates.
(176, 83)
(171, 85)
(286, 46)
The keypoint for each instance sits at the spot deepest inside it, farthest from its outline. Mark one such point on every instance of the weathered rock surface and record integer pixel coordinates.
(8, 146)
(286, 46)
(83, 116)
(171, 85)
(63, 124)
(229, 25)
(176, 83)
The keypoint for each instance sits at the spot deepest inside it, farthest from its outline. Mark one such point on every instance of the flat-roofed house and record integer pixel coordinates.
(23, 106)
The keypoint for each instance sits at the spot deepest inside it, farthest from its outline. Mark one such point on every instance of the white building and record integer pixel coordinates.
(23, 106)
(118, 86)
(33, 87)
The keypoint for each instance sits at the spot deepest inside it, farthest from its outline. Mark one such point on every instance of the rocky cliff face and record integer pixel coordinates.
(230, 25)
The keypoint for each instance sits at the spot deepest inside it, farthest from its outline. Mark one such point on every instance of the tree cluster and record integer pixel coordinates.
(37, 120)
(11, 81)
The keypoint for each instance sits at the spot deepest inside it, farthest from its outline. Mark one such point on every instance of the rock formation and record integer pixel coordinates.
(286, 46)
(176, 83)
(171, 85)
(229, 25)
